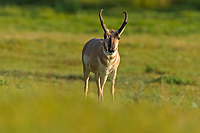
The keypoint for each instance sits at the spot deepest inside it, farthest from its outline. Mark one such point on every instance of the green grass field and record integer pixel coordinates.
(41, 86)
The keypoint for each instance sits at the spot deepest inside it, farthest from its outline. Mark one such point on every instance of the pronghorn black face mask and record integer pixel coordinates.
(111, 38)
(111, 41)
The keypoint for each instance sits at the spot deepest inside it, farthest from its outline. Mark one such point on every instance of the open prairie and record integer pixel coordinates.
(41, 86)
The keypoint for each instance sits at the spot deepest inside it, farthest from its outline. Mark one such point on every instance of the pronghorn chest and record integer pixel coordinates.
(108, 63)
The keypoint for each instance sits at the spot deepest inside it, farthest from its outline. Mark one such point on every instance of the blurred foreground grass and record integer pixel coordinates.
(41, 87)
(50, 108)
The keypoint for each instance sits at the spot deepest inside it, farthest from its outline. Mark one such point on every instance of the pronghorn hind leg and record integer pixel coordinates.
(102, 82)
(113, 77)
(97, 79)
(86, 79)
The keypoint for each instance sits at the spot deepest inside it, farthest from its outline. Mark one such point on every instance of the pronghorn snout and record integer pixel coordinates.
(111, 45)
(111, 51)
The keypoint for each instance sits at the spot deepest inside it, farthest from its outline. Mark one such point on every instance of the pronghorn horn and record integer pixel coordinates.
(121, 29)
(102, 22)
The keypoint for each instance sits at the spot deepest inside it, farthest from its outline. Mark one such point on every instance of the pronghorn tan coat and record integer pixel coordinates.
(101, 57)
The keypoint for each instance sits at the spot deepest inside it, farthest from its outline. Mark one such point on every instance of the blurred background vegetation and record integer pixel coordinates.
(76, 5)
(170, 17)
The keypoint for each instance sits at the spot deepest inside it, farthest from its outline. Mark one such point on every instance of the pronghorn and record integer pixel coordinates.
(101, 57)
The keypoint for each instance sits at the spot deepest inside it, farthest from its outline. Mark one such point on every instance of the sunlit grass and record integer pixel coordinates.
(42, 87)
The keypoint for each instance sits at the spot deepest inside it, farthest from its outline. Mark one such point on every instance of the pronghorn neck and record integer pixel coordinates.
(107, 59)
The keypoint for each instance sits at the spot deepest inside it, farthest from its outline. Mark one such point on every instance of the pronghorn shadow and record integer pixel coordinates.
(40, 75)
(71, 77)
(19, 74)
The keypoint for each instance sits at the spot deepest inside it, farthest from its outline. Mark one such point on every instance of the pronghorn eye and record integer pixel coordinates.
(118, 38)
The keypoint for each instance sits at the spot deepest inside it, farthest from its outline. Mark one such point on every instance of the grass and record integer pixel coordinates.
(41, 86)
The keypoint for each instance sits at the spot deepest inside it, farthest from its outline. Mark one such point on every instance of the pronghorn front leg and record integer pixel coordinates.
(97, 79)
(112, 78)
(103, 81)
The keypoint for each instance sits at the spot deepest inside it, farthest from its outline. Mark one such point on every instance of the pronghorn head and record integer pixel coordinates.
(111, 37)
